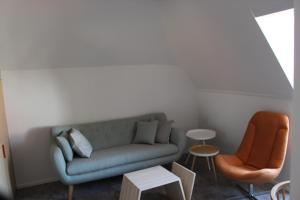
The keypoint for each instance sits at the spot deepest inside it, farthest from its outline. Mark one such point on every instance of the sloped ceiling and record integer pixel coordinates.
(221, 46)
(263, 7)
(217, 42)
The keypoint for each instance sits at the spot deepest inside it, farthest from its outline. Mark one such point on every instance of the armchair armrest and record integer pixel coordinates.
(179, 139)
(59, 162)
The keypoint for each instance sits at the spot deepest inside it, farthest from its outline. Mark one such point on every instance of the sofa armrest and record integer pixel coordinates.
(59, 163)
(179, 139)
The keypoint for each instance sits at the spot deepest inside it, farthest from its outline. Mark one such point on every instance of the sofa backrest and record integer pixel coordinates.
(105, 134)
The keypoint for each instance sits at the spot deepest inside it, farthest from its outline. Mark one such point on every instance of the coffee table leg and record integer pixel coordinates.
(129, 191)
(214, 168)
(193, 164)
(175, 191)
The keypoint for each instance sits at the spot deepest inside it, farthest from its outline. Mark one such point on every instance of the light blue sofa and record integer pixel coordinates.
(114, 154)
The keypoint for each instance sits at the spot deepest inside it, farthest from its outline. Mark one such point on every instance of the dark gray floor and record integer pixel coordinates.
(205, 189)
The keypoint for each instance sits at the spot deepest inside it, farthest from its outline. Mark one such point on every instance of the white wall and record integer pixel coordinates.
(76, 33)
(296, 110)
(38, 99)
(229, 113)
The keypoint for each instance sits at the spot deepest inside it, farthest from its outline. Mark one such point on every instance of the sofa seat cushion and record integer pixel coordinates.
(121, 155)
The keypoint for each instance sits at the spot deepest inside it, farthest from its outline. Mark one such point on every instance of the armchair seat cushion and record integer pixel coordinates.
(232, 167)
(120, 155)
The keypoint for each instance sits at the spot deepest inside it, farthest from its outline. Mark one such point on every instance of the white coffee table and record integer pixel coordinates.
(200, 135)
(135, 182)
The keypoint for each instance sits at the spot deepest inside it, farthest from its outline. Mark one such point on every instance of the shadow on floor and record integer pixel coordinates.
(206, 188)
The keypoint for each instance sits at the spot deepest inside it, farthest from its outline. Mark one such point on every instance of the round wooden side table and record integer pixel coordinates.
(206, 151)
(200, 135)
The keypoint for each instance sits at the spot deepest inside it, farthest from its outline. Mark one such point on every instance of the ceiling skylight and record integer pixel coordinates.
(278, 29)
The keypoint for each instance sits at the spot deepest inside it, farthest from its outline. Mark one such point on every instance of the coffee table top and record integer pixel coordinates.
(204, 150)
(201, 134)
(151, 177)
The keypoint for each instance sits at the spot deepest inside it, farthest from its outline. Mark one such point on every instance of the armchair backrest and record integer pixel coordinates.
(265, 142)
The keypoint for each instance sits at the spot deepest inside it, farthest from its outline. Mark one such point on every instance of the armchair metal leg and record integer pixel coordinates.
(70, 192)
(249, 193)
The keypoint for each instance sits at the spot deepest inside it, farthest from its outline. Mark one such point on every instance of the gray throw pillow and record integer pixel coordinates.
(145, 133)
(80, 144)
(164, 132)
(65, 146)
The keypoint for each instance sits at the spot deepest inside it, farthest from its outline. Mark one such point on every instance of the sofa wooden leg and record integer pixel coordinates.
(70, 193)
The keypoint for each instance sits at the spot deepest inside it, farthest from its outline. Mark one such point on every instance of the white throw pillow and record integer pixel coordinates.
(80, 144)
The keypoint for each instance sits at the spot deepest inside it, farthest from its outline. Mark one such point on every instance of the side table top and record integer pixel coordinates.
(204, 150)
(201, 134)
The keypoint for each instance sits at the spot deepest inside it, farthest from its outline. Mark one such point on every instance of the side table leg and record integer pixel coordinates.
(207, 159)
(187, 159)
(175, 191)
(193, 164)
(208, 164)
(214, 168)
(129, 191)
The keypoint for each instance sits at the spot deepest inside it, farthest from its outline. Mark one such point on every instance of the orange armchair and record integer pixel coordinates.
(260, 157)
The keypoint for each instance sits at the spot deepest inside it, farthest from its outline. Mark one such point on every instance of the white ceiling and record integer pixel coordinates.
(218, 42)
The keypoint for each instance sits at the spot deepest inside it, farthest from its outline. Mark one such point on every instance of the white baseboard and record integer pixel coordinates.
(37, 182)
